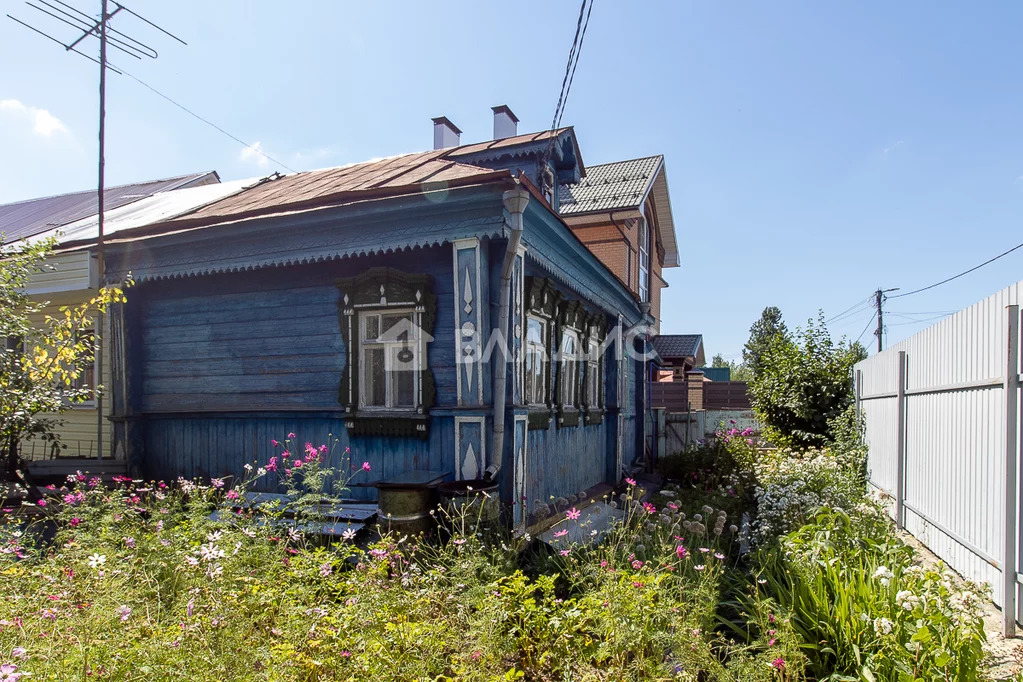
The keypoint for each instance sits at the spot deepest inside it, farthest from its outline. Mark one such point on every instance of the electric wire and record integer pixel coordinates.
(965, 272)
(204, 120)
(852, 311)
(873, 317)
(566, 82)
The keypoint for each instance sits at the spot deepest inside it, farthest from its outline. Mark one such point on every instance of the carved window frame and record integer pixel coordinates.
(542, 299)
(386, 290)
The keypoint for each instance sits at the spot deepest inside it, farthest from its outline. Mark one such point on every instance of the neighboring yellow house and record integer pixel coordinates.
(71, 278)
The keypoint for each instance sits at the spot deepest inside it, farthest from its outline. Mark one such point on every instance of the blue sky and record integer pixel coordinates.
(815, 151)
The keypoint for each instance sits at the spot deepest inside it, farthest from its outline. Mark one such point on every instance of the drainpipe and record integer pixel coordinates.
(515, 201)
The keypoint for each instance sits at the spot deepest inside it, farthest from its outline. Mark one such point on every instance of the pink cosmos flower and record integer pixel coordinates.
(681, 552)
(637, 584)
(636, 564)
(217, 482)
(323, 449)
(346, 654)
(285, 454)
(291, 435)
(650, 509)
(231, 494)
(573, 514)
(771, 642)
(272, 464)
(297, 463)
(778, 663)
(365, 466)
(19, 652)
(630, 481)
(560, 533)
(75, 521)
(273, 442)
(41, 503)
(9, 673)
(564, 552)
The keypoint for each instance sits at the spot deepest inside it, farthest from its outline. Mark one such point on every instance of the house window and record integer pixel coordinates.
(391, 358)
(537, 373)
(549, 187)
(644, 260)
(570, 356)
(541, 316)
(387, 318)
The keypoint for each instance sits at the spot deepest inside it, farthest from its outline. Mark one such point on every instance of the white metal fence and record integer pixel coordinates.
(942, 419)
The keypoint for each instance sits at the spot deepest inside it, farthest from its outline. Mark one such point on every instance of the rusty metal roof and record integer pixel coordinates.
(33, 216)
(378, 178)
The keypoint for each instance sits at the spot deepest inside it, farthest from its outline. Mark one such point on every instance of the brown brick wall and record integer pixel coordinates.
(618, 248)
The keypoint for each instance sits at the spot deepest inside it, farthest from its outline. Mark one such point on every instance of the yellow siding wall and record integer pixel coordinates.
(64, 272)
(78, 432)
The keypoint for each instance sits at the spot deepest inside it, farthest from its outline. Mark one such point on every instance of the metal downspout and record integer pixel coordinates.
(515, 201)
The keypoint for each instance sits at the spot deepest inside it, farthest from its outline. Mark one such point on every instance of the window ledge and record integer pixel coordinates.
(398, 423)
(568, 417)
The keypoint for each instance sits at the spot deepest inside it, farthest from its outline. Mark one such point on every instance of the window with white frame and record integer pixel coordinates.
(536, 369)
(644, 260)
(391, 359)
(570, 356)
(387, 318)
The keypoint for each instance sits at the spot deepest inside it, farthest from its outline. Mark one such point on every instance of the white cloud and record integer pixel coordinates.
(254, 154)
(43, 122)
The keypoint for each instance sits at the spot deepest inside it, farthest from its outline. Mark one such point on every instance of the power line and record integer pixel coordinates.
(926, 319)
(566, 85)
(204, 120)
(849, 312)
(867, 327)
(965, 272)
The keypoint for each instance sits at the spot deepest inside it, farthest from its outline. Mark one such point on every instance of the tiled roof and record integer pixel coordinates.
(678, 345)
(33, 216)
(610, 186)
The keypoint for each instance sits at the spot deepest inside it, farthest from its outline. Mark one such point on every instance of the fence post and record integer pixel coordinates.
(1011, 435)
(662, 433)
(857, 391)
(900, 470)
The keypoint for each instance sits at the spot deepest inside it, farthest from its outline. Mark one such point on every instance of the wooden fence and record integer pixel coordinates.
(671, 395)
(725, 395)
(717, 395)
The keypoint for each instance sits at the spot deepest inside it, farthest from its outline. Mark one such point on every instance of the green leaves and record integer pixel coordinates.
(800, 382)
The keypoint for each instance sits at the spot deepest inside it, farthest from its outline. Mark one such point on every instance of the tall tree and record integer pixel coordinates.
(43, 355)
(761, 337)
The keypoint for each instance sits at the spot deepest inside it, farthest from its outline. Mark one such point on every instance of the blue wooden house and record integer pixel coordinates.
(431, 311)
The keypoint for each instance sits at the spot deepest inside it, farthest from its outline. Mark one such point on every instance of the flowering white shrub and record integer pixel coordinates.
(792, 487)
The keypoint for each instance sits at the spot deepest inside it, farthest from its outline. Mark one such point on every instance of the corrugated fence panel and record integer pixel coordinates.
(954, 434)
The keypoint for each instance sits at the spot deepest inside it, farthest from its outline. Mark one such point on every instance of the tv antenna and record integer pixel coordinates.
(86, 26)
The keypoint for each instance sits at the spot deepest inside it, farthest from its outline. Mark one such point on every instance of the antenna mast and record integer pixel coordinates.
(67, 14)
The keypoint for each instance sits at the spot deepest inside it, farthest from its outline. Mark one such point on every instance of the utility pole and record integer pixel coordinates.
(81, 21)
(879, 299)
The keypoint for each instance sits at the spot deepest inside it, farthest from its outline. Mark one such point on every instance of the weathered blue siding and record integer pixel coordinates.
(215, 445)
(268, 345)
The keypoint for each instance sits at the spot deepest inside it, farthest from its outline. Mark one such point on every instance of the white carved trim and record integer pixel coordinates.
(461, 472)
(519, 468)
